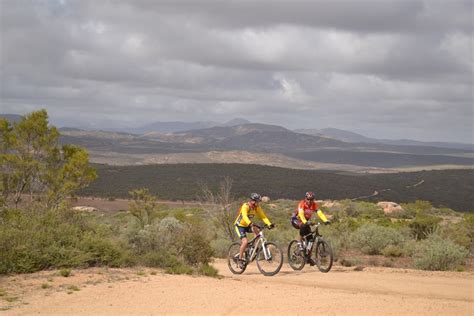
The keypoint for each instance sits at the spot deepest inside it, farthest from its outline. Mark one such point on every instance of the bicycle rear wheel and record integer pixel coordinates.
(296, 258)
(233, 259)
(271, 265)
(324, 256)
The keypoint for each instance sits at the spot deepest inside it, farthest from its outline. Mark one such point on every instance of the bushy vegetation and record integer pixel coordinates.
(32, 240)
(372, 239)
(424, 225)
(436, 253)
(39, 231)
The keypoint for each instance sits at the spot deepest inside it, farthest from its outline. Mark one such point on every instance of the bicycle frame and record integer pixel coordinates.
(315, 236)
(255, 244)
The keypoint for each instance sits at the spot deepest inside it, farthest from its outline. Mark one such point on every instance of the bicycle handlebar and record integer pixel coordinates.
(263, 227)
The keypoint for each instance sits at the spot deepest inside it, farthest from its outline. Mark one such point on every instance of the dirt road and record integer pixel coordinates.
(343, 291)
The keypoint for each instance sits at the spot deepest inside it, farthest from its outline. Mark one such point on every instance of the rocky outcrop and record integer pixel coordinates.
(389, 207)
(84, 209)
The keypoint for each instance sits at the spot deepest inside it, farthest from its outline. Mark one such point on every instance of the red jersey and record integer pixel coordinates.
(305, 210)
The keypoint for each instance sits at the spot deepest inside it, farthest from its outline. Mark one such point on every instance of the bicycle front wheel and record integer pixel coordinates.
(272, 264)
(296, 258)
(233, 259)
(324, 256)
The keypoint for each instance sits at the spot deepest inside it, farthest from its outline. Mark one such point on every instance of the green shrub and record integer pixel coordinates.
(143, 240)
(372, 239)
(208, 270)
(459, 233)
(100, 251)
(166, 235)
(361, 210)
(469, 223)
(220, 246)
(160, 260)
(345, 262)
(73, 288)
(436, 253)
(403, 214)
(424, 225)
(339, 233)
(32, 240)
(179, 269)
(418, 206)
(409, 247)
(171, 234)
(197, 249)
(392, 251)
(65, 272)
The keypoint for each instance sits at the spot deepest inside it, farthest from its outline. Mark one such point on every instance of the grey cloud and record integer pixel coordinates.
(358, 64)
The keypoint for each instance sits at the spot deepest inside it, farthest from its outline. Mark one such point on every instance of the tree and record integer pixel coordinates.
(32, 162)
(143, 207)
(218, 205)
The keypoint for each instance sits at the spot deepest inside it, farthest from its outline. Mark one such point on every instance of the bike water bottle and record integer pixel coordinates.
(310, 244)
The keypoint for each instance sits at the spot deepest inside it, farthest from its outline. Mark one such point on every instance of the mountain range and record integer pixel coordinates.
(175, 126)
(244, 142)
(352, 137)
(184, 128)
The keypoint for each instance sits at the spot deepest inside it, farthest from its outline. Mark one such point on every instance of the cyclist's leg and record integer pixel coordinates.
(244, 242)
(296, 223)
(304, 231)
(242, 233)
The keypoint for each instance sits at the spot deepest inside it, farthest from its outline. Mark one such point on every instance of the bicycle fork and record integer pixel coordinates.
(266, 252)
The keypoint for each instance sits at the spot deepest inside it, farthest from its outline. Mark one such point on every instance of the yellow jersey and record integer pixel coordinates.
(246, 214)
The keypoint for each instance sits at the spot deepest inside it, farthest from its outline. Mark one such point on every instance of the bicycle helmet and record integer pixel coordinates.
(309, 196)
(255, 197)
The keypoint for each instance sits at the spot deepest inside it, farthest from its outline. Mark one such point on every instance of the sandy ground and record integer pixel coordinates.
(343, 291)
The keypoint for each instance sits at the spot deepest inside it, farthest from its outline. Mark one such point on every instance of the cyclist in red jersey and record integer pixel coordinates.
(302, 215)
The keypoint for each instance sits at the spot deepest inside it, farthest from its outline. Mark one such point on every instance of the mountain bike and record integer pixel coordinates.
(268, 256)
(313, 245)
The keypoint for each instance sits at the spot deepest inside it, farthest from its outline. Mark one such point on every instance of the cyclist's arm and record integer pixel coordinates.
(301, 216)
(245, 215)
(263, 216)
(322, 216)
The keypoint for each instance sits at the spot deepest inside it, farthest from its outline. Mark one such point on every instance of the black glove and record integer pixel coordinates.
(271, 226)
(328, 222)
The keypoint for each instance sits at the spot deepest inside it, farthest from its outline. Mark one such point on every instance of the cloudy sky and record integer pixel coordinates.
(391, 69)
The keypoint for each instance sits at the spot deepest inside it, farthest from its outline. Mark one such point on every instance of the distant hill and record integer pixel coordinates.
(12, 118)
(176, 126)
(70, 129)
(236, 121)
(257, 139)
(338, 134)
(255, 136)
(352, 137)
(164, 127)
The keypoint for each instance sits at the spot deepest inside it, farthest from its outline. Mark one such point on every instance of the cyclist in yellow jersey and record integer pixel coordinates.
(244, 223)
